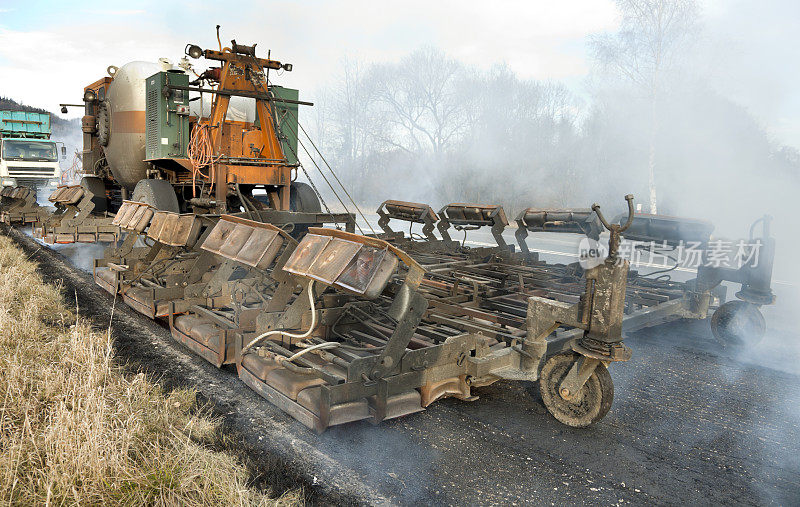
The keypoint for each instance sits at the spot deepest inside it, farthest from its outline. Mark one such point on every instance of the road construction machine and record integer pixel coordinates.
(193, 183)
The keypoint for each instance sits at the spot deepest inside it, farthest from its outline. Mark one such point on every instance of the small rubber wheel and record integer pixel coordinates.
(738, 323)
(96, 186)
(303, 198)
(588, 406)
(156, 193)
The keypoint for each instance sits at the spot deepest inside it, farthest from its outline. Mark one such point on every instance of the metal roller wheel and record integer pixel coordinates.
(588, 406)
(738, 323)
(156, 193)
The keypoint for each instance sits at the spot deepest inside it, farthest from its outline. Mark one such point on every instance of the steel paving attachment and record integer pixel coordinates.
(81, 216)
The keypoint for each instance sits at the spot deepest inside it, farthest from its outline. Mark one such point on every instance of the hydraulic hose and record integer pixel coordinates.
(323, 345)
(311, 328)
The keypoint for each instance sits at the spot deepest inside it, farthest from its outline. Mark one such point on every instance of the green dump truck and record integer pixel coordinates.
(27, 155)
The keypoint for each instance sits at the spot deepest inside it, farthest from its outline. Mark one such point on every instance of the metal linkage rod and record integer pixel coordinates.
(277, 130)
(335, 176)
(302, 145)
(329, 168)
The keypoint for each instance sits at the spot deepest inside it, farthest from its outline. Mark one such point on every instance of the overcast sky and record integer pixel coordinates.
(49, 50)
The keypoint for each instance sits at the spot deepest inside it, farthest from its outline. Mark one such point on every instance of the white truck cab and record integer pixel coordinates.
(27, 155)
(29, 162)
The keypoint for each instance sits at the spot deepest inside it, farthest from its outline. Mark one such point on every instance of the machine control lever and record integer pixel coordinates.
(616, 230)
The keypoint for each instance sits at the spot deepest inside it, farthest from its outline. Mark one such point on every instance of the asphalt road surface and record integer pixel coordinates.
(692, 423)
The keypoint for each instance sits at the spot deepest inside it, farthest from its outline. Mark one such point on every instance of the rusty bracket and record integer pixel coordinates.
(564, 220)
(466, 216)
(413, 212)
(580, 372)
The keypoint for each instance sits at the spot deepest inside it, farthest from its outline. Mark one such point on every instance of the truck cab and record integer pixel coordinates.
(27, 155)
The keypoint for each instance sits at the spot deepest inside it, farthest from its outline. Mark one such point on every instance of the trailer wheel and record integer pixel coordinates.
(588, 406)
(156, 193)
(738, 323)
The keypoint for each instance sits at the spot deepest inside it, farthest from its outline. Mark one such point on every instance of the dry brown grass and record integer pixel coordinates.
(74, 429)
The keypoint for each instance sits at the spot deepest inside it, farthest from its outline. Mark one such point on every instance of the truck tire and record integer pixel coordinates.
(158, 194)
(96, 186)
(303, 198)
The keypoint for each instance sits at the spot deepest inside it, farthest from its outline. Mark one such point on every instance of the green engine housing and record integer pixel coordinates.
(166, 116)
(167, 132)
(286, 114)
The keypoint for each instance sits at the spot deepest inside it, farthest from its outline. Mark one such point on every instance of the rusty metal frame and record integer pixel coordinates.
(434, 338)
(222, 290)
(413, 212)
(466, 216)
(446, 322)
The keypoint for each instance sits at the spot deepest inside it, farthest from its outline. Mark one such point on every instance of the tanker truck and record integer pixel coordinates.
(27, 155)
(219, 141)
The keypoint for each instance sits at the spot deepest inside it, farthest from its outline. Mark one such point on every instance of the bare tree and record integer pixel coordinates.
(347, 121)
(520, 147)
(653, 35)
(441, 130)
(426, 104)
